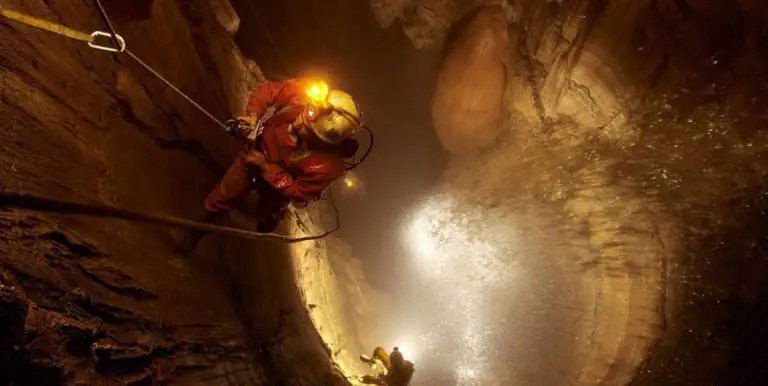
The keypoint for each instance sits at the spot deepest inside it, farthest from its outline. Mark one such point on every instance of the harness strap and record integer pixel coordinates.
(62, 30)
(45, 25)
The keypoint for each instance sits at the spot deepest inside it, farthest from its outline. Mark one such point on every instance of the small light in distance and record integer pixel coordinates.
(408, 348)
(352, 185)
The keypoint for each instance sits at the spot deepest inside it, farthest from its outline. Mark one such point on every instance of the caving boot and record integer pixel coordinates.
(187, 240)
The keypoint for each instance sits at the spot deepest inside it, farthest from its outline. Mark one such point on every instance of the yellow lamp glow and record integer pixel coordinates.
(352, 185)
(318, 91)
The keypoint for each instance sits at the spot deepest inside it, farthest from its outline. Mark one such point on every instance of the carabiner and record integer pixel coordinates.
(96, 34)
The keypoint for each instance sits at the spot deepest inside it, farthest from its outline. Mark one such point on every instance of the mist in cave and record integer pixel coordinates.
(561, 193)
(568, 206)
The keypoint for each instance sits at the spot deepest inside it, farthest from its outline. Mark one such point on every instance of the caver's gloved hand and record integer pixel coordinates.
(242, 126)
(235, 125)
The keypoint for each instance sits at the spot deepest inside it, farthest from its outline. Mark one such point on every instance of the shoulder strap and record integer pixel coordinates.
(265, 118)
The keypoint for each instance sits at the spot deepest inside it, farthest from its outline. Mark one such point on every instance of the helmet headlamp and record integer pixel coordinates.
(318, 93)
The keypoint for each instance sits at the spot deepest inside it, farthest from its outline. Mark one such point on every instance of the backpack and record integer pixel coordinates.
(409, 369)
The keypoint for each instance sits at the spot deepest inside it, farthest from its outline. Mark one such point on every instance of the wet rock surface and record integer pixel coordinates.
(93, 301)
(71, 314)
(636, 137)
(631, 172)
(426, 23)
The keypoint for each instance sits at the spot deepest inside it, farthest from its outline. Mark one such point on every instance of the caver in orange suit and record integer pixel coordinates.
(299, 152)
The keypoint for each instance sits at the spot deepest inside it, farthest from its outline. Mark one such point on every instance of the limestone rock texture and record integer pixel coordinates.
(469, 100)
(426, 22)
(349, 314)
(634, 142)
(94, 301)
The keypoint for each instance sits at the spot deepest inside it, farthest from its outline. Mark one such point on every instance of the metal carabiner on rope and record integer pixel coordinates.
(96, 34)
(118, 45)
(48, 205)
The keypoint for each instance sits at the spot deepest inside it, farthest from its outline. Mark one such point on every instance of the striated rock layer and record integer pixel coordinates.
(93, 301)
(635, 134)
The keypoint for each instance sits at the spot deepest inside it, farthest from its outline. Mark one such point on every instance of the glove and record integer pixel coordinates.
(238, 126)
(242, 126)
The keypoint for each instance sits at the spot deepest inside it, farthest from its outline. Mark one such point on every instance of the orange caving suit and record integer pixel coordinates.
(294, 172)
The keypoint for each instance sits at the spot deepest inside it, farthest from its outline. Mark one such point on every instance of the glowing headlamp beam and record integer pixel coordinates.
(318, 92)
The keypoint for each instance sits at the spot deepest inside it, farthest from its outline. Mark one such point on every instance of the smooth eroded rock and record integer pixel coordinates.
(468, 102)
(226, 15)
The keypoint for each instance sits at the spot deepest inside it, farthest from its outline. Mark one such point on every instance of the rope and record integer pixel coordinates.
(174, 88)
(114, 35)
(41, 204)
(116, 39)
(271, 39)
(25, 201)
(105, 19)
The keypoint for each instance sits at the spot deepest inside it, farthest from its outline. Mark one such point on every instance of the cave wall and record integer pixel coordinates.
(111, 302)
(640, 125)
(350, 315)
(467, 106)
(645, 86)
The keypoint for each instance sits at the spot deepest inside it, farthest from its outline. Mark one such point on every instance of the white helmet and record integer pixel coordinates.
(332, 115)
